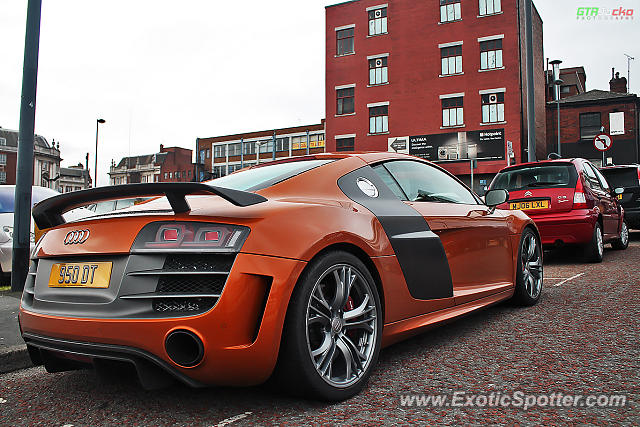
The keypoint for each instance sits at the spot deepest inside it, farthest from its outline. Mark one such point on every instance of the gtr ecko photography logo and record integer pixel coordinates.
(604, 13)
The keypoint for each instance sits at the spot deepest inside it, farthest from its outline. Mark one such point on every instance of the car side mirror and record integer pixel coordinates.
(494, 198)
(619, 190)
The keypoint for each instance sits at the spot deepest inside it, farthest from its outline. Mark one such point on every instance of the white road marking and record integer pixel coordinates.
(566, 280)
(3, 400)
(233, 419)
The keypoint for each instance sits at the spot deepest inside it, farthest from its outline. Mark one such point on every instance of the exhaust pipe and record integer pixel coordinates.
(184, 348)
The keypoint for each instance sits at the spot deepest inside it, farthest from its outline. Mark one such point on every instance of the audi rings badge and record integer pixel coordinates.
(76, 237)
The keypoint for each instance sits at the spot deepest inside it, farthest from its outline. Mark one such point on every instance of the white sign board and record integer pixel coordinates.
(616, 123)
(602, 142)
(398, 145)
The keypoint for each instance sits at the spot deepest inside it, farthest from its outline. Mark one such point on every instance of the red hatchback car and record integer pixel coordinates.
(570, 202)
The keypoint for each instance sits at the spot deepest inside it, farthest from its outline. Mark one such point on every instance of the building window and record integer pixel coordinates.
(178, 175)
(156, 178)
(450, 10)
(378, 73)
(219, 151)
(299, 142)
(344, 41)
(590, 125)
(346, 103)
(3, 141)
(451, 60)
(488, 7)
(493, 107)
(491, 54)
(378, 21)
(166, 175)
(565, 89)
(234, 149)
(248, 148)
(219, 171)
(345, 144)
(379, 119)
(3, 177)
(3, 159)
(236, 167)
(452, 112)
(202, 153)
(316, 140)
(208, 153)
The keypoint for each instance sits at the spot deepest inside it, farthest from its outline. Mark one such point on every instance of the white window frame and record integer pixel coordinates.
(489, 7)
(449, 62)
(451, 12)
(377, 26)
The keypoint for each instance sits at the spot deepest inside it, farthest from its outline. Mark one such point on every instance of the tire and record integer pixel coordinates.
(623, 242)
(327, 353)
(530, 270)
(594, 250)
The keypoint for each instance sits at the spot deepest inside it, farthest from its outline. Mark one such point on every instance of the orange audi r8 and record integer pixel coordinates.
(301, 268)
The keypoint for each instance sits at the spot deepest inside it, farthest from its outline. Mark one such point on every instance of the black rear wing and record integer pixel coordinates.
(48, 213)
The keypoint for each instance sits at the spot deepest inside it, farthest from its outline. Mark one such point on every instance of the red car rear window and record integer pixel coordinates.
(553, 175)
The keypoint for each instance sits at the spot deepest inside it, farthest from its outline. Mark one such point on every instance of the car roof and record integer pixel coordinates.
(573, 160)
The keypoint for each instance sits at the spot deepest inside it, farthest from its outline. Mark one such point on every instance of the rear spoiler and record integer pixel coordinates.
(48, 213)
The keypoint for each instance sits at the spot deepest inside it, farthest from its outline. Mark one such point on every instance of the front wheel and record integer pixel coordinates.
(333, 329)
(529, 276)
(623, 241)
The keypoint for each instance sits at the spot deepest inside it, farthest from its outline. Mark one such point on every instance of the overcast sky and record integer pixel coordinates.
(167, 72)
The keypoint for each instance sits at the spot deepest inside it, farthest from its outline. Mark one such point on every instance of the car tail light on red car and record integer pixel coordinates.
(190, 237)
(579, 198)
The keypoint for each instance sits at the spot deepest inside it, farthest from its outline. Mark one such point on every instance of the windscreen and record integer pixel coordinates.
(621, 177)
(542, 176)
(266, 176)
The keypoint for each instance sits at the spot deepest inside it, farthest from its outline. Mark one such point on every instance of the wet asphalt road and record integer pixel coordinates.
(581, 339)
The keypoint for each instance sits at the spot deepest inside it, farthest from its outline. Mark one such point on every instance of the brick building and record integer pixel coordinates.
(170, 164)
(583, 116)
(574, 82)
(74, 178)
(222, 155)
(442, 80)
(46, 160)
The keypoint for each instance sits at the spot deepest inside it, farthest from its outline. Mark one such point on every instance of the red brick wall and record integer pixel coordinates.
(623, 145)
(414, 33)
(177, 160)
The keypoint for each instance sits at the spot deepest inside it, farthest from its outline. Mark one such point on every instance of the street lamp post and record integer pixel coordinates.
(95, 168)
(556, 93)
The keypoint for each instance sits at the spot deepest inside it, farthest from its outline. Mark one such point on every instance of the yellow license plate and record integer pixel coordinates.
(80, 275)
(534, 204)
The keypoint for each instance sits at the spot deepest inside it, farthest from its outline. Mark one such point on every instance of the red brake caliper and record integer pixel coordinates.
(349, 305)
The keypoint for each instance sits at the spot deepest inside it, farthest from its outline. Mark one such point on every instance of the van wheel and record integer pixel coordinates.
(623, 242)
(333, 330)
(595, 249)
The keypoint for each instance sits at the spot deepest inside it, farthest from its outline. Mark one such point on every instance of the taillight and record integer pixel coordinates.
(638, 175)
(190, 237)
(579, 199)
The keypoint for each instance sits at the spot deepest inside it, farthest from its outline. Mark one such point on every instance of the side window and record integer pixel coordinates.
(421, 182)
(386, 177)
(601, 178)
(591, 177)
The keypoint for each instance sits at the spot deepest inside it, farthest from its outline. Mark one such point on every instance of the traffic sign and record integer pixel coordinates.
(602, 142)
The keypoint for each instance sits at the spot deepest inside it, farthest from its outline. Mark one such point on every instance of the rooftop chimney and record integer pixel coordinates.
(617, 84)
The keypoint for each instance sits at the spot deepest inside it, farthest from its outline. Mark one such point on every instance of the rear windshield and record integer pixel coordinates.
(621, 177)
(265, 176)
(543, 176)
